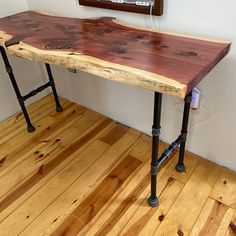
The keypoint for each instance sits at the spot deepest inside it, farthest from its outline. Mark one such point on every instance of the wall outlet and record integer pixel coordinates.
(196, 95)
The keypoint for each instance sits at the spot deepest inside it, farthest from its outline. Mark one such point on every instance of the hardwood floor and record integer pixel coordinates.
(82, 173)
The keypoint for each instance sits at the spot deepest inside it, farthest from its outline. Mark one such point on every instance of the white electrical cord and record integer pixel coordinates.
(151, 16)
(199, 123)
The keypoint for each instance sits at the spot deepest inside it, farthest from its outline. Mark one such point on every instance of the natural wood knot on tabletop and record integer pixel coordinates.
(164, 46)
(187, 54)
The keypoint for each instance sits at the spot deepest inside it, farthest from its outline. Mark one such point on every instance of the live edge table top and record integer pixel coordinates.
(163, 62)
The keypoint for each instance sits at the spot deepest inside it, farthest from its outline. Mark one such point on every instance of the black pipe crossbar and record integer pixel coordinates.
(36, 91)
(169, 151)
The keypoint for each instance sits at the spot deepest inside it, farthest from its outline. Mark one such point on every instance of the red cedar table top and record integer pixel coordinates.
(162, 62)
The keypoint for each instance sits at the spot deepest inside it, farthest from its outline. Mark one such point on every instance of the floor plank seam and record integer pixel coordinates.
(120, 159)
(58, 170)
(154, 233)
(80, 166)
(17, 161)
(36, 119)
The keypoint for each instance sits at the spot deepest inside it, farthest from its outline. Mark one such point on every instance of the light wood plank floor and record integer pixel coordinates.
(82, 173)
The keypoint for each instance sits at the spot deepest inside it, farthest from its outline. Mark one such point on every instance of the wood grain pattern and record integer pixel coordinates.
(124, 204)
(119, 210)
(80, 166)
(46, 168)
(87, 210)
(213, 220)
(231, 230)
(146, 220)
(225, 189)
(161, 62)
(114, 134)
(11, 147)
(199, 186)
(190, 163)
(76, 193)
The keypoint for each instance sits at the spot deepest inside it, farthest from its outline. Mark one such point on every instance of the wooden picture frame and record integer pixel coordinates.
(157, 8)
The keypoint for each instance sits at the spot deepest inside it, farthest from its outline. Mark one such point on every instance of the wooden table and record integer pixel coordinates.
(165, 63)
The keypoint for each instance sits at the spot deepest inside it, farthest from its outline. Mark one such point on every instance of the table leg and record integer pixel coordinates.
(180, 165)
(9, 70)
(21, 98)
(153, 200)
(51, 80)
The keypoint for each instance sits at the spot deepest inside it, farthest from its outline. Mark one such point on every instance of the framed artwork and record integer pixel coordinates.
(138, 6)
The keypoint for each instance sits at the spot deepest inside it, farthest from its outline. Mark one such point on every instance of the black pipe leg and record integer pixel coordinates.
(9, 70)
(153, 200)
(180, 165)
(54, 91)
(30, 127)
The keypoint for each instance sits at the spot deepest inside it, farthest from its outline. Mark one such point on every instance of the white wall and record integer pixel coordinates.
(214, 136)
(29, 75)
(12, 6)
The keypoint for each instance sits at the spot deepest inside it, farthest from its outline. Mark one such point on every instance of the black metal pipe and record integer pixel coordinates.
(180, 165)
(34, 92)
(9, 70)
(54, 91)
(169, 151)
(153, 200)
